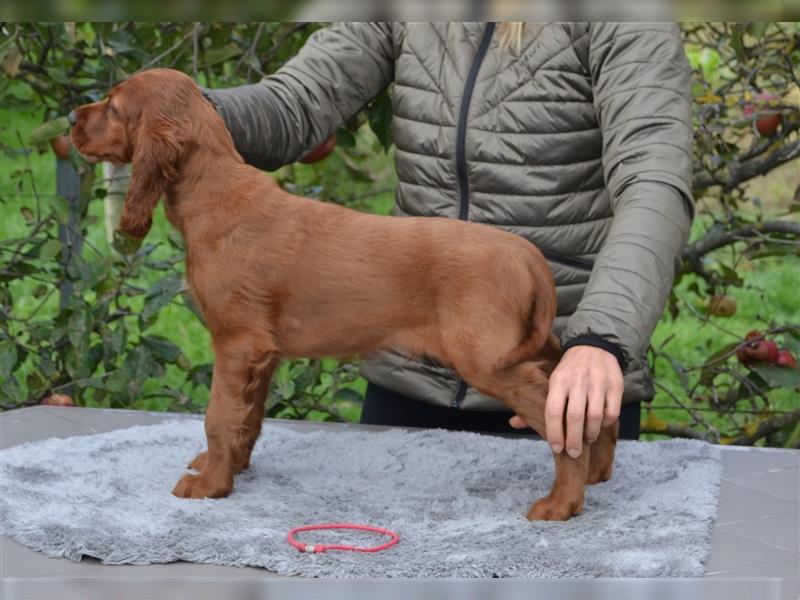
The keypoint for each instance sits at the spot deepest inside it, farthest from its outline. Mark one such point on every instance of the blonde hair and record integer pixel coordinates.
(511, 35)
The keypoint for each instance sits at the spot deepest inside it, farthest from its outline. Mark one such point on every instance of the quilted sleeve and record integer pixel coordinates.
(642, 95)
(338, 71)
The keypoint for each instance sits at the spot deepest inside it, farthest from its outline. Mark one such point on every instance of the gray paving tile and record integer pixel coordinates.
(29, 413)
(738, 461)
(784, 483)
(103, 421)
(782, 531)
(739, 503)
(787, 568)
(21, 561)
(178, 569)
(13, 433)
(733, 553)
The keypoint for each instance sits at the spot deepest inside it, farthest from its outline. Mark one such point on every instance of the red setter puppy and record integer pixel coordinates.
(276, 275)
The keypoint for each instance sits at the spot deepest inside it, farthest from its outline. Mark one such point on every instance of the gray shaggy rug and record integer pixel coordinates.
(457, 500)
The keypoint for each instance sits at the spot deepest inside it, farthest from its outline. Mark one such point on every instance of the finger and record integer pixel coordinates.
(576, 413)
(613, 401)
(554, 414)
(595, 410)
(517, 422)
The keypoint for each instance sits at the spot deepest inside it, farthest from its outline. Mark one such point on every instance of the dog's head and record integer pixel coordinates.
(146, 120)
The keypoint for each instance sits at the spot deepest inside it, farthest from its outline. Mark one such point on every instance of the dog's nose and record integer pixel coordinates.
(72, 118)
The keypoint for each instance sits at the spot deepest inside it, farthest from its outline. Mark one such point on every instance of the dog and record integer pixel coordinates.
(276, 275)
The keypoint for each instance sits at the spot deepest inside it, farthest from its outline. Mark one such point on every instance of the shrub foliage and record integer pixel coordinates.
(89, 331)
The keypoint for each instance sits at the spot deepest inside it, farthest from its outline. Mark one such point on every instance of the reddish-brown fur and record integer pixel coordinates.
(276, 275)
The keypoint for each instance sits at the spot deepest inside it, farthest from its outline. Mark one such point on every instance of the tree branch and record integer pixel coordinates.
(676, 430)
(694, 252)
(765, 428)
(745, 170)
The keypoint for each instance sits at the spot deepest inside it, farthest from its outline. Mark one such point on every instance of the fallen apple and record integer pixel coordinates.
(57, 400)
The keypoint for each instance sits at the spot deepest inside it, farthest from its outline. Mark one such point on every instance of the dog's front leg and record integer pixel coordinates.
(233, 419)
(566, 497)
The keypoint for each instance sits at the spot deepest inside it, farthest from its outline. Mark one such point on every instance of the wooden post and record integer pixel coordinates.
(117, 180)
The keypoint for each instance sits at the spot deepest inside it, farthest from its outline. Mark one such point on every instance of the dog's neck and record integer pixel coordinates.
(208, 165)
(213, 184)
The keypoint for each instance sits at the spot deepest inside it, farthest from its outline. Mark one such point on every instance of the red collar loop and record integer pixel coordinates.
(317, 548)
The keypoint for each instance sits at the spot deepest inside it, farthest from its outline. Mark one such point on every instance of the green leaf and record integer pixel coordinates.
(737, 43)
(784, 377)
(11, 59)
(8, 358)
(189, 303)
(344, 138)
(758, 29)
(36, 382)
(138, 366)
(10, 389)
(326, 380)
(48, 130)
(722, 351)
(348, 395)
(60, 208)
(201, 375)
(50, 249)
(124, 42)
(161, 347)
(113, 340)
(124, 243)
(379, 115)
(161, 294)
(286, 389)
(222, 54)
(78, 328)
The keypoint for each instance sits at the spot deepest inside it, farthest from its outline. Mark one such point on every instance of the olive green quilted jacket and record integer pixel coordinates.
(579, 140)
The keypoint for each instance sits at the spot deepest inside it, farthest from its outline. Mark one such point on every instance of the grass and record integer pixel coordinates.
(770, 294)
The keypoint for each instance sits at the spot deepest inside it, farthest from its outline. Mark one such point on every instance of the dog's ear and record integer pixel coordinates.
(155, 156)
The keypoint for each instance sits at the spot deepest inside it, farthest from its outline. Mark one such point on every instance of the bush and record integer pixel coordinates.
(113, 337)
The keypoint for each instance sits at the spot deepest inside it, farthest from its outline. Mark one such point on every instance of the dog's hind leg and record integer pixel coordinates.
(523, 388)
(239, 387)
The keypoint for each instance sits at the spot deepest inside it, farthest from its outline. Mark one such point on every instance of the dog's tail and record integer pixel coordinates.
(540, 321)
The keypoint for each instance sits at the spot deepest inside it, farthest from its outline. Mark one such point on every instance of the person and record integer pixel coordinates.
(576, 136)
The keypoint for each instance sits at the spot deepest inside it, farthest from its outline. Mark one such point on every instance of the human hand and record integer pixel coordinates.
(588, 383)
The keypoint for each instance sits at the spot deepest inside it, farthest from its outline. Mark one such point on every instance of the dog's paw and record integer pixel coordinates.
(199, 462)
(202, 486)
(554, 509)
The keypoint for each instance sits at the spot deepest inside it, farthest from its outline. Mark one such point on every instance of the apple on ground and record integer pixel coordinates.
(57, 400)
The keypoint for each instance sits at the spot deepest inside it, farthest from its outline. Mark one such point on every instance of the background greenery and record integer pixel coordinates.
(126, 336)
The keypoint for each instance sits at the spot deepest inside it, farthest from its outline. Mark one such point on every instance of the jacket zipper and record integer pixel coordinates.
(461, 158)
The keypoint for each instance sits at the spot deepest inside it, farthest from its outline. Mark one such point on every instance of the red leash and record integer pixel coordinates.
(312, 548)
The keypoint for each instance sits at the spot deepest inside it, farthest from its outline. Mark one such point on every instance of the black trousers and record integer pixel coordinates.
(385, 407)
